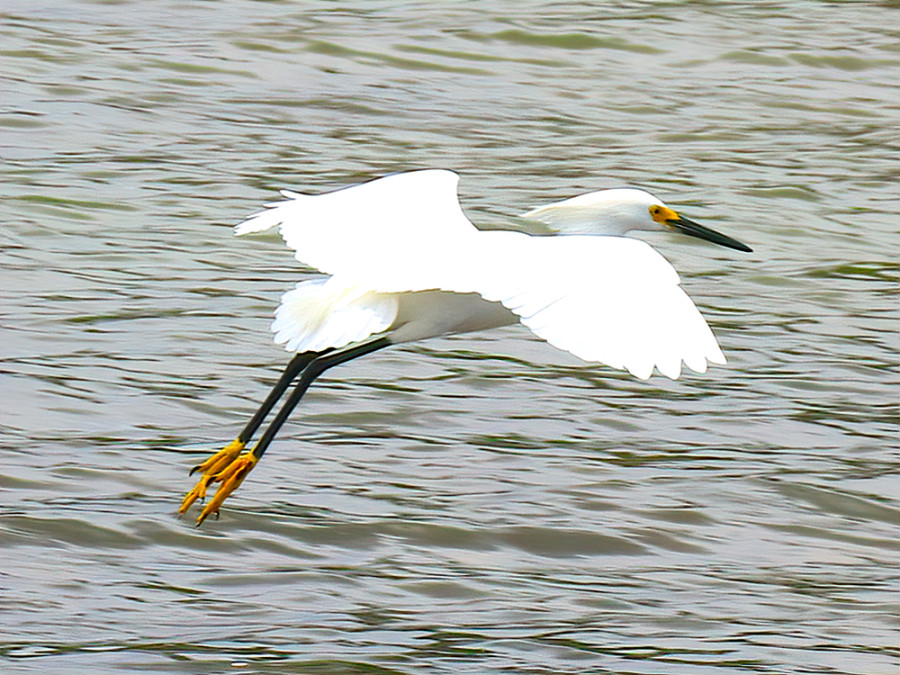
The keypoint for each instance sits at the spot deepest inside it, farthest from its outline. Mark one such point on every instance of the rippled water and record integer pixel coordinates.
(479, 504)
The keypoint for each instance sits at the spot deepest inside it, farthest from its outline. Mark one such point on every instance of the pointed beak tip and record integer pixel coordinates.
(690, 228)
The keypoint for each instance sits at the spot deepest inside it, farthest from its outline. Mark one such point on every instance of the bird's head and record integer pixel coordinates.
(620, 211)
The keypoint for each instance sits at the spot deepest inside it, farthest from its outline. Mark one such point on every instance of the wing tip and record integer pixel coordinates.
(253, 225)
(274, 214)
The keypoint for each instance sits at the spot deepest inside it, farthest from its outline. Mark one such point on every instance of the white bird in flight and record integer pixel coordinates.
(403, 263)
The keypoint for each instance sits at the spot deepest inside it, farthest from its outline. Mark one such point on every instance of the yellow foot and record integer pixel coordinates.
(231, 479)
(211, 468)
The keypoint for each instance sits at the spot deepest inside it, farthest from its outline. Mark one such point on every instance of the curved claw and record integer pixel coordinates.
(195, 493)
(211, 468)
(231, 479)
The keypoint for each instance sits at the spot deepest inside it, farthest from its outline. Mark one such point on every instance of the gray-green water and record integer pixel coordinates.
(480, 504)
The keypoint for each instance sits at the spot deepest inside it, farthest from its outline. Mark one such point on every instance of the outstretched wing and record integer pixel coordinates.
(605, 299)
(354, 227)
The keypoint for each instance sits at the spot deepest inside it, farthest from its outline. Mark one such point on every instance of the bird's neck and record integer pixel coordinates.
(595, 213)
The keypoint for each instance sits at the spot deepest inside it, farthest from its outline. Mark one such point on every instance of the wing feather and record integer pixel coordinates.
(341, 231)
(605, 299)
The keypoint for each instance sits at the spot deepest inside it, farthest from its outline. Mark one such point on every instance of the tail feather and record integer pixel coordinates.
(323, 313)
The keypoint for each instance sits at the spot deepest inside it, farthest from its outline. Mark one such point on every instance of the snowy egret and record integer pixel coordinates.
(404, 263)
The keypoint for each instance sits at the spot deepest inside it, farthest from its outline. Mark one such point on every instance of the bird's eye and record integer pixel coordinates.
(660, 213)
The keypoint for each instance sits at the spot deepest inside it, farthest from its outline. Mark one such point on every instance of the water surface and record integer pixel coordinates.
(477, 504)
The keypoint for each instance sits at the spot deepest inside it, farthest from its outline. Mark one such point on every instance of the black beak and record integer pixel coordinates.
(689, 227)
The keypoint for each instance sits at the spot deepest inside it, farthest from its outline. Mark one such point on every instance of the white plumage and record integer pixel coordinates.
(322, 313)
(607, 299)
(404, 263)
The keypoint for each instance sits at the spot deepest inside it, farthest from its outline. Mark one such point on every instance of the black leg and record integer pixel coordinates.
(318, 365)
(229, 468)
(293, 369)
